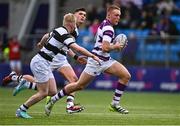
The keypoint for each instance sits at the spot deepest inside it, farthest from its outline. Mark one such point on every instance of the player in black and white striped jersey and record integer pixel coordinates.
(60, 64)
(59, 41)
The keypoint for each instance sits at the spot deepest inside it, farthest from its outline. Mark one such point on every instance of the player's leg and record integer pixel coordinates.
(32, 84)
(13, 77)
(117, 69)
(83, 81)
(70, 77)
(52, 91)
(52, 87)
(41, 71)
(42, 93)
(27, 82)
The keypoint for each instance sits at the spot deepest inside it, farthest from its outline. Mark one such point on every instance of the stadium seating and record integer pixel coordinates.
(176, 20)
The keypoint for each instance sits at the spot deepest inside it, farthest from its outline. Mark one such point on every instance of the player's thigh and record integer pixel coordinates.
(40, 69)
(118, 70)
(68, 73)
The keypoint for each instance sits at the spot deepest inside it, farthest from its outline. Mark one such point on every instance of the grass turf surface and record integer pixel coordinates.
(145, 109)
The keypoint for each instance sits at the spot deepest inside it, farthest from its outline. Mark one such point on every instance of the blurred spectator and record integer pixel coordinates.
(148, 16)
(164, 28)
(93, 28)
(168, 5)
(137, 3)
(125, 20)
(146, 20)
(134, 13)
(14, 55)
(92, 13)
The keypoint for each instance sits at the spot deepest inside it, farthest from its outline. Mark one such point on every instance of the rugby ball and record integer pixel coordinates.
(122, 39)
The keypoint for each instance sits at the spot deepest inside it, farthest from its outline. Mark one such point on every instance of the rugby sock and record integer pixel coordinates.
(32, 85)
(70, 101)
(118, 93)
(29, 85)
(58, 96)
(16, 78)
(23, 107)
(19, 78)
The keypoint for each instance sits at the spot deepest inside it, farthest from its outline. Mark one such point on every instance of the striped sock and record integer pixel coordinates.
(70, 101)
(23, 107)
(58, 96)
(19, 78)
(118, 93)
(32, 86)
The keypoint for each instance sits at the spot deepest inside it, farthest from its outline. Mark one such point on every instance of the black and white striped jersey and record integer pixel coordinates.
(58, 42)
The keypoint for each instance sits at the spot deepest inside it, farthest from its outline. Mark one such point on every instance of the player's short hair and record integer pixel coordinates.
(80, 9)
(68, 18)
(112, 7)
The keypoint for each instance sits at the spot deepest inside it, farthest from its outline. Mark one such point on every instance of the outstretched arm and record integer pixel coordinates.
(84, 51)
(80, 59)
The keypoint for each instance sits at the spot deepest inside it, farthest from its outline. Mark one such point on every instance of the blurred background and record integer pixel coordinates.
(152, 27)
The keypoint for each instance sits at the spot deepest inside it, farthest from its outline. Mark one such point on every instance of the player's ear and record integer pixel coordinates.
(108, 15)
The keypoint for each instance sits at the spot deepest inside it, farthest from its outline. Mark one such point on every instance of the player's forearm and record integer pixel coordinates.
(71, 53)
(114, 47)
(85, 52)
(108, 48)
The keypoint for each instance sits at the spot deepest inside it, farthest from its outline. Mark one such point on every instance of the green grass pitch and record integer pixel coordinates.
(145, 109)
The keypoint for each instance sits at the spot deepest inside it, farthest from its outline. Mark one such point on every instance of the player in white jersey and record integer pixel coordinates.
(104, 44)
(59, 41)
(60, 64)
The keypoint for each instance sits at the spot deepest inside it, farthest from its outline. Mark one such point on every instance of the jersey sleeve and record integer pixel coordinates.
(69, 40)
(108, 33)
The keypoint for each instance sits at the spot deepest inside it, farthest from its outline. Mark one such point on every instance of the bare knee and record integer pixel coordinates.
(126, 78)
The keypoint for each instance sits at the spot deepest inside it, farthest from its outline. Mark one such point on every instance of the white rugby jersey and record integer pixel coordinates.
(58, 42)
(105, 32)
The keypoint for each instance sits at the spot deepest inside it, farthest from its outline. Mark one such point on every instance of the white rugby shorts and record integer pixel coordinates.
(41, 69)
(59, 61)
(94, 69)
